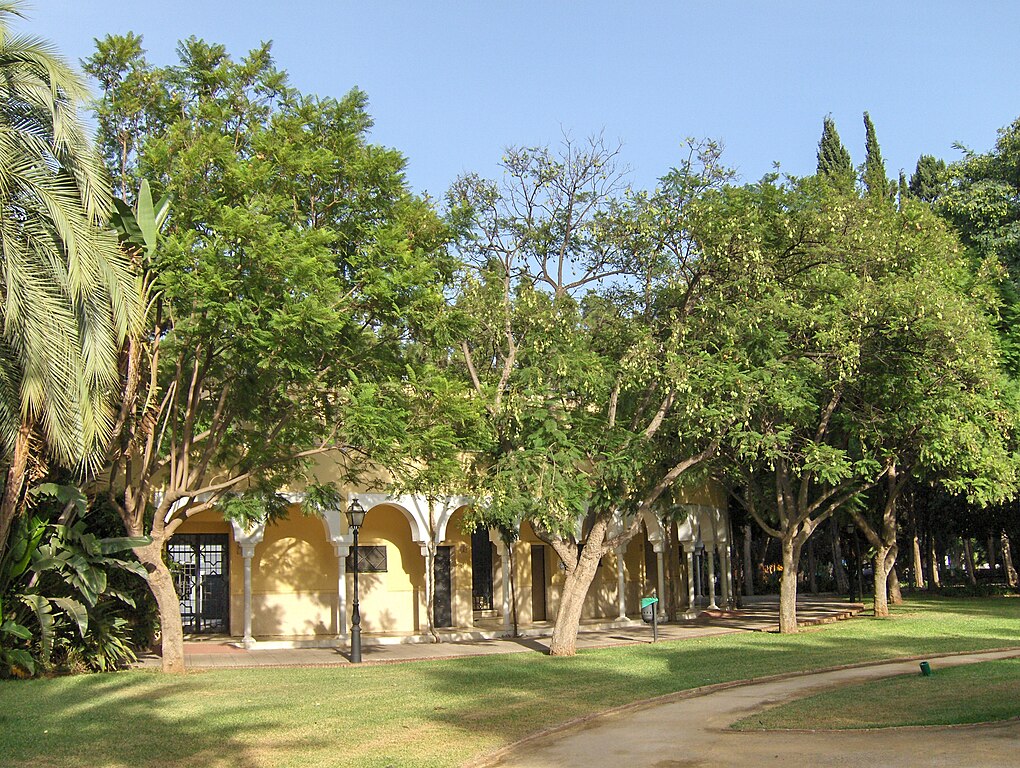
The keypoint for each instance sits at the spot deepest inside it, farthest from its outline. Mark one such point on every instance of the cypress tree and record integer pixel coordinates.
(833, 159)
(929, 178)
(875, 181)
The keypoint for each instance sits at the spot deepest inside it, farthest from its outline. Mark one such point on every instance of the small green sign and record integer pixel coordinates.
(647, 601)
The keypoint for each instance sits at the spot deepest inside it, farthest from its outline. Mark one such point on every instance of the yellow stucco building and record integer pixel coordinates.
(290, 583)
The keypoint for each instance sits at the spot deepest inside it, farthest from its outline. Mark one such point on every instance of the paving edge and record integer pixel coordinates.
(491, 758)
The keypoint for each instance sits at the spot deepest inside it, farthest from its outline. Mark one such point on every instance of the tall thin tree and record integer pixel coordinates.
(876, 183)
(834, 160)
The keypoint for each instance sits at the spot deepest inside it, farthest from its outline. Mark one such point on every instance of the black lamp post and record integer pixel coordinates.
(355, 519)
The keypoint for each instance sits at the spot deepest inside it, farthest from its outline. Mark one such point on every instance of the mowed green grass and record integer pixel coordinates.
(438, 713)
(974, 693)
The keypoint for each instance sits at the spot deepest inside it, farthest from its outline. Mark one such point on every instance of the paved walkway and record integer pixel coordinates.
(759, 614)
(694, 732)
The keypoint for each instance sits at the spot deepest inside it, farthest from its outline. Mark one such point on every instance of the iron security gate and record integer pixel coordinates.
(481, 570)
(200, 572)
(442, 603)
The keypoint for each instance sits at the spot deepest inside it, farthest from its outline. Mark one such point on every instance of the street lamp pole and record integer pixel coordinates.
(355, 519)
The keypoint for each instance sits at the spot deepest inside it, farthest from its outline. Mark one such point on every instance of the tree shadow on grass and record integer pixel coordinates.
(126, 719)
(499, 700)
(430, 712)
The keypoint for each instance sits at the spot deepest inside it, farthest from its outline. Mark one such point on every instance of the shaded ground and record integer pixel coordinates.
(695, 732)
(759, 614)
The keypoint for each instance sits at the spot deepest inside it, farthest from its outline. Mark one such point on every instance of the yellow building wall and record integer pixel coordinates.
(391, 601)
(294, 579)
(601, 601)
(461, 577)
(295, 572)
(710, 493)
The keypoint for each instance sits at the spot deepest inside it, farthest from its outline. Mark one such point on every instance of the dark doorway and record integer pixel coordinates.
(200, 568)
(538, 611)
(481, 570)
(442, 608)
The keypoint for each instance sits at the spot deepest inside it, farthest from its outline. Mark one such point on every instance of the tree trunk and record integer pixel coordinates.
(918, 561)
(430, 573)
(812, 567)
(513, 588)
(766, 543)
(672, 598)
(568, 616)
(13, 499)
(968, 561)
(430, 590)
(1007, 561)
(991, 554)
(748, 562)
(933, 563)
(161, 584)
(788, 587)
(895, 593)
(839, 571)
(885, 558)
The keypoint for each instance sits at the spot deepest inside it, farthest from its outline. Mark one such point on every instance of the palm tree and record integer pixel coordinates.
(67, 293)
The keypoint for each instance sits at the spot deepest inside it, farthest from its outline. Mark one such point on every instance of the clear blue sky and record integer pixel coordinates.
(451, 83)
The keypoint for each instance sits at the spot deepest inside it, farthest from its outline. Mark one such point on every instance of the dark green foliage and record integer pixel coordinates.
(873, 176)
(929, 179)
(980, 196)
(834, 161)
(62, 605)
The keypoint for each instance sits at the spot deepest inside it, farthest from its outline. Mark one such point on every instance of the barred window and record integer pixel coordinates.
(371, 559)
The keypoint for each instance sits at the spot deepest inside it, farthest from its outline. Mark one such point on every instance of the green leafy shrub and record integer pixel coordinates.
(59, 606)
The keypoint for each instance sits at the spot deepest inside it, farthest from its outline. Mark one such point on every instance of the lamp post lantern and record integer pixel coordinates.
(355, 519)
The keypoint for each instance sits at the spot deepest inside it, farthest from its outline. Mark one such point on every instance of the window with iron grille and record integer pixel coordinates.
(371, 559)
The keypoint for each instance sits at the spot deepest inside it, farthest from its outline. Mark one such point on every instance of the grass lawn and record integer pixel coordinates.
(975, 693)
(438, 713)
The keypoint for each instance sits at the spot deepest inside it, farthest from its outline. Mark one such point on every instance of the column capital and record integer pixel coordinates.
(341, 548)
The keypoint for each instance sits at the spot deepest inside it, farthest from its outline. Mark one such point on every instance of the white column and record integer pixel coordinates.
(621, 583)
(247, 552)
(727, 575)
(660, 607)
(692, 611)
(429, 582)
(711, 577)
(504, 555)
(247, 540)
(698, 586)
(341, 590)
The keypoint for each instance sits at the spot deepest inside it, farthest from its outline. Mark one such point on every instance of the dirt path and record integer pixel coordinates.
(694, 732)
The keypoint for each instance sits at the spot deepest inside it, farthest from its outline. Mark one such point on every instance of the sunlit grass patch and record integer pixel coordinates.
(434, 713)
(972, 693)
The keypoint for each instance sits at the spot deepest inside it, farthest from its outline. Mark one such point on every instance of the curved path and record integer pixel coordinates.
(694, 732)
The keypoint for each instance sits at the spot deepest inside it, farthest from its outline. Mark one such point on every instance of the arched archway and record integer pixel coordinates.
(391, 570)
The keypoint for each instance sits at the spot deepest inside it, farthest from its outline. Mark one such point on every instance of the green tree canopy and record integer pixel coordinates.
(295, 278)
(592, 346)
(873, 353)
